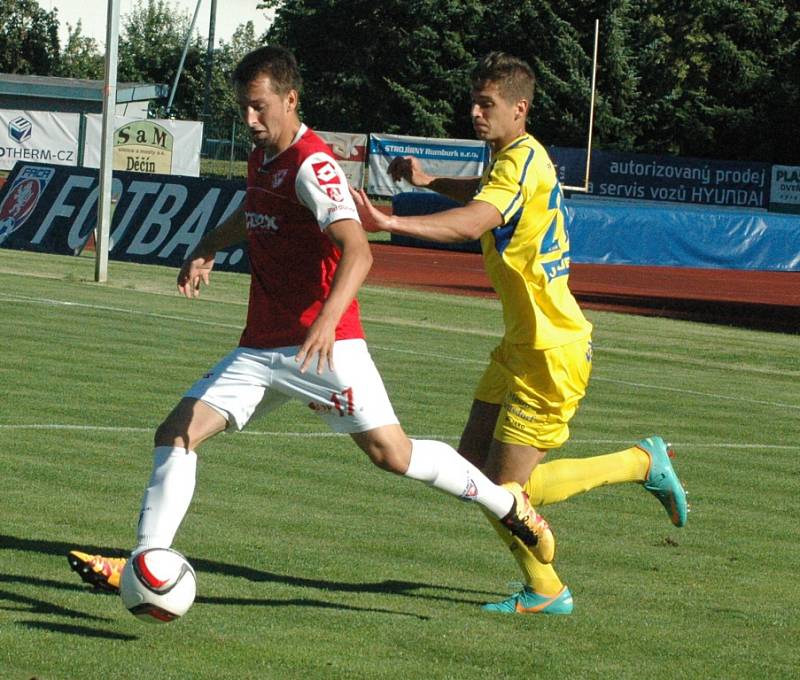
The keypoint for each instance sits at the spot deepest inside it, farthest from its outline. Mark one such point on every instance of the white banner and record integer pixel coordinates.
(39, 136)
(165, 147)
(784, 194)
(444, 157)
(351, 152)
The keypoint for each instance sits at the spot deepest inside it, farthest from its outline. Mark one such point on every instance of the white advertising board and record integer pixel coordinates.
(784, 195)
(38, 136)
(351, 151)
(166, 147)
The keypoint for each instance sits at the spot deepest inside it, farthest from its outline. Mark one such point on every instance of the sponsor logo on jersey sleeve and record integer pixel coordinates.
(325, 172)
(335, 193)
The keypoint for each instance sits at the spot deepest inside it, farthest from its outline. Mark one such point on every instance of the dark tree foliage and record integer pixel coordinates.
(28, 38)
(716, 78)
(389, 66)
(708, 78)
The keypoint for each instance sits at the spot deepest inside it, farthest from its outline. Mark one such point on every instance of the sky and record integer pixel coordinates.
(92, 15)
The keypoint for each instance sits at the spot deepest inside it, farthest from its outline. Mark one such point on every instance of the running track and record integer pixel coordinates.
(752, 299)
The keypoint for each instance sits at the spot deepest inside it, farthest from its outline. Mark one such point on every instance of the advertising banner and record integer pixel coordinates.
(157, 219)
(784, 195)
(38, 136)
(449, 157)
(351, 152)
(165, 147)
(666, 178)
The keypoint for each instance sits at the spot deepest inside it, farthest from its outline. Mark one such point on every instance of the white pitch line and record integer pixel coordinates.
(119, 310)
(444, 357)
(332, 435)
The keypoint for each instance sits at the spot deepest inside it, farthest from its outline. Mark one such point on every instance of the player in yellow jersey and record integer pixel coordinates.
(538, 374)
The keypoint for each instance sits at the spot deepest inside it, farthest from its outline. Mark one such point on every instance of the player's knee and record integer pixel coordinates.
(385, 455)
(168, 433)
(388, 447)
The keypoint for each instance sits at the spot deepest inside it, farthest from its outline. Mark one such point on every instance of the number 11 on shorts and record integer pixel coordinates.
(343, 402)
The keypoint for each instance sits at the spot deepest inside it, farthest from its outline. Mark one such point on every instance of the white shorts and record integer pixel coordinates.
(250, 382)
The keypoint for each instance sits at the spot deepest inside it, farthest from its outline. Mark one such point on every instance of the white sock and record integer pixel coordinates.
(442, 467)
(167, 497)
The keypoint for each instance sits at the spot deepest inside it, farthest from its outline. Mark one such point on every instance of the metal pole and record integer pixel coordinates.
(210, 58)
(106, 157)
(183, 57)
(233, 141)
(591, 106)
(585, 187)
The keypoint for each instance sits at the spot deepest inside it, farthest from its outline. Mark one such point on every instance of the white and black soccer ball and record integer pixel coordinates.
(158, 585)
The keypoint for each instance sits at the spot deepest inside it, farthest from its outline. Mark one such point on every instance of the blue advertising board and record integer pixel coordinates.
(157, 219)
(667, 178)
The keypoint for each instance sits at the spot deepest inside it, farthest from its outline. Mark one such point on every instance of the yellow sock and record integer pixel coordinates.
(559, 480)
(542, 578)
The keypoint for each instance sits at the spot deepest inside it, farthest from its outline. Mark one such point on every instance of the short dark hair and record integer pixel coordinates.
(272, 61)
(513, 76)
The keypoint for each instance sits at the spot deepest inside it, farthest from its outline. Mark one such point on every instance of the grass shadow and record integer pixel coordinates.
(413, 589)
(80, 631)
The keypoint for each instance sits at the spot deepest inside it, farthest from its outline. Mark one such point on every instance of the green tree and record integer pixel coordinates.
(536, 32)
(80, 57)
(28, 38)
(395, 66)
(223, 105)
(151, 41)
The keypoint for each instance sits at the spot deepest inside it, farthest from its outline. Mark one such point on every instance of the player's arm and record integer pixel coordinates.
(198, 264)
(449, 226)
(353, 267)
(408, 168)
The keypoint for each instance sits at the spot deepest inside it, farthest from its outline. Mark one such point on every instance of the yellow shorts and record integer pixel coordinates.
(538, 390)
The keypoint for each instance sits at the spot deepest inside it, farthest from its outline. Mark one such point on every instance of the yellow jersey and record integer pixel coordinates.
(527, 258)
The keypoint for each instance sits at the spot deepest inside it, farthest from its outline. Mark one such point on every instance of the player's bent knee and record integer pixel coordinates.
(389, 450)
(189, 424)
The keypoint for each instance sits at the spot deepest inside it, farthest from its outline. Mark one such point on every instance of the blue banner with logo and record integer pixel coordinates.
(157, 219)
(666, 178)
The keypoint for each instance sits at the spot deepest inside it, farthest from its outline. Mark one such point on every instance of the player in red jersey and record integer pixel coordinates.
(303, 338)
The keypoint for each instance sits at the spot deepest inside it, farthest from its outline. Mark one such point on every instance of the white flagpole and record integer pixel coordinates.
(106, 158)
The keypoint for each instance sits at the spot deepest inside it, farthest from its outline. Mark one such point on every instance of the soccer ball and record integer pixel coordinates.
(158, 585)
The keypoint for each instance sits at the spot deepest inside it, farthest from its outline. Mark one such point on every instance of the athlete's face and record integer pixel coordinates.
(270, 117)
(495, 119)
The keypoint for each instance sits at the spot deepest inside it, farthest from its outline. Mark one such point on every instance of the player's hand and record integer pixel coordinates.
(194, 271)
(408, 168)
(372, 219)
(318, 344)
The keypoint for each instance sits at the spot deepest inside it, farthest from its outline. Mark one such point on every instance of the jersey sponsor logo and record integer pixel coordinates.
(325, 172)
(278, 177)
(261, 222)
(335, 193)
(559, 267)
(22, 198)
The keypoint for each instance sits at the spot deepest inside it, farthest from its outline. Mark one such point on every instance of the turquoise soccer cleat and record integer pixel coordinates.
(662, 481)
(528, 602)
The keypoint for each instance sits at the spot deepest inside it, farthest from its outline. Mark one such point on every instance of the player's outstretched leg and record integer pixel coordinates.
(661, 480)
(529, 526)
(101, 572)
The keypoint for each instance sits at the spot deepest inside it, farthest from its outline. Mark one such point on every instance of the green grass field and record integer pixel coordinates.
(313, 564)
